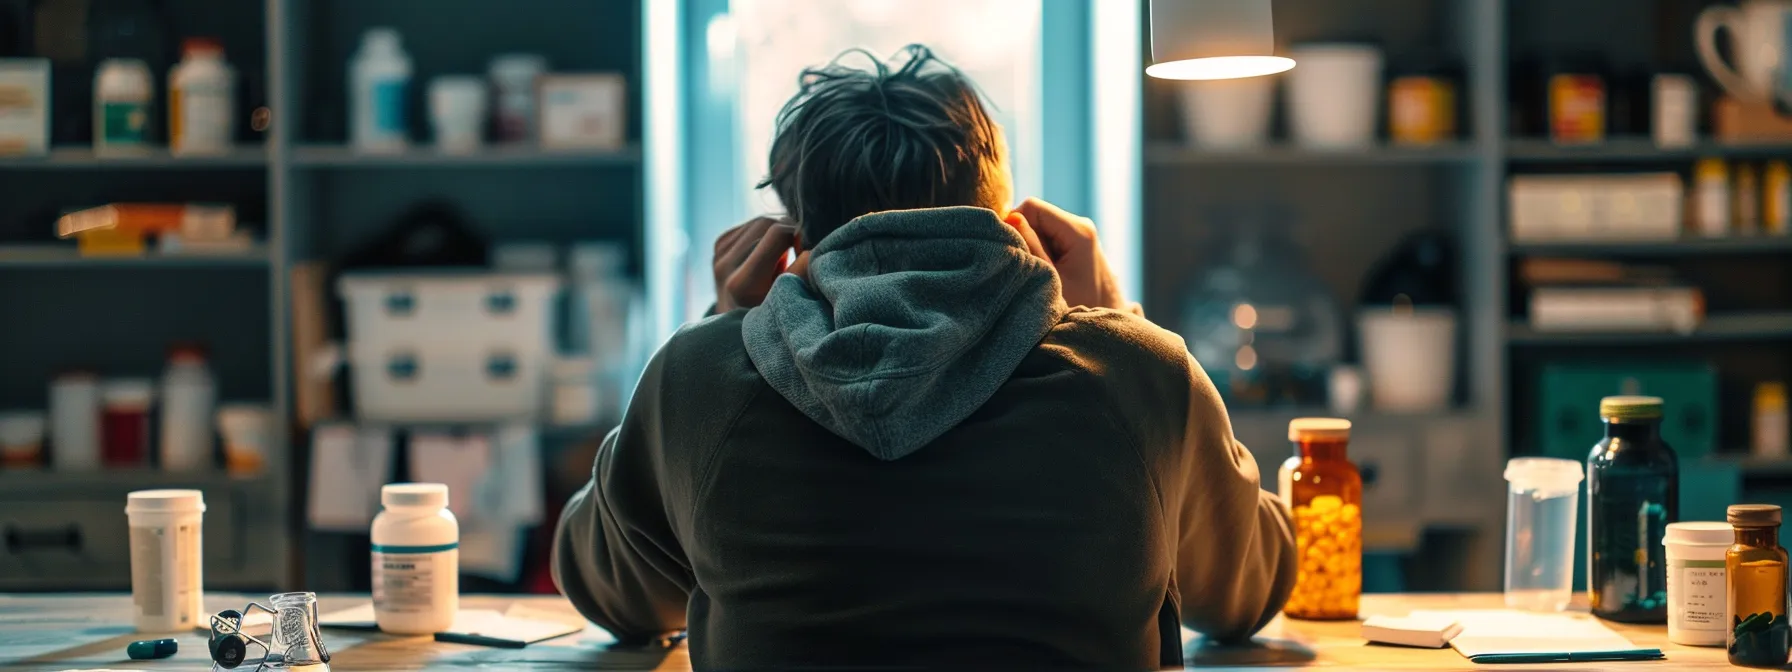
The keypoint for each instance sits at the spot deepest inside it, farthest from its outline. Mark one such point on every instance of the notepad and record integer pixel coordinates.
(1509, 636)
(1429, 633)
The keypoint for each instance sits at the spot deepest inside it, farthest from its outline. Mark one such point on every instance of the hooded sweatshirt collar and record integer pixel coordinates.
(909, 322)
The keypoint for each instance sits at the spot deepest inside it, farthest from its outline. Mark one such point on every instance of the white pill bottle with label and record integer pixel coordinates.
(1696, 582)
(167, 582)
(416, 560)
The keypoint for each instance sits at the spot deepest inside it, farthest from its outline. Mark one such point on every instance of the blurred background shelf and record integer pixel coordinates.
(66, 256)
(1731, 327)
(1665, 248)
(84, 158)
(1179, 154)
(18, 482)
(1635, 149)
(337, 156)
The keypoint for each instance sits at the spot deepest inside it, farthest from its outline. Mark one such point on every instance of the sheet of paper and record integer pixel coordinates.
(25, 635)
(348, 466)
(459, 463)
(1502, 631)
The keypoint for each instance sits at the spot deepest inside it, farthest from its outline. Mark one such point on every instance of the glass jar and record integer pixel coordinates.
(1632, 495)
(1755, 593)
(1326, 495)
(295, 633)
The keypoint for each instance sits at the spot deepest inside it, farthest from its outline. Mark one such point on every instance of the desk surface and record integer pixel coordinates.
(91, 631)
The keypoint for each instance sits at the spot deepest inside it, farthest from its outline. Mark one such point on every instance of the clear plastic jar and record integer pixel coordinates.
(1326, 494)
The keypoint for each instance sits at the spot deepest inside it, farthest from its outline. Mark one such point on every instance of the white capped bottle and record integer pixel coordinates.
(122, 97)
(189, 392)
(378, 78)
(416, 560)
(201, 100)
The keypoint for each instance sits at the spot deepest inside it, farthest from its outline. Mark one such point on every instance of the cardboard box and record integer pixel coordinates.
(24, 106)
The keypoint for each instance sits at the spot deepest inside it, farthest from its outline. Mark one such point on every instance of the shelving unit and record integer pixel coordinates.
(1177, 154)
(84, 158)
(1636, 150)
(312, 199)
(66, 256)
(1686, 247)
(1759, 326)
(336, 156)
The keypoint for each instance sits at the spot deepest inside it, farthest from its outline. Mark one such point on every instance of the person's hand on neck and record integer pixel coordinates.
(748, 258)
(1070, 245)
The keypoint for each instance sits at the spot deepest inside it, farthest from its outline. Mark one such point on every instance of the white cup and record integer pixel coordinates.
(1410, 357)
(457, 112)
(1227, 113)
(1334, 95)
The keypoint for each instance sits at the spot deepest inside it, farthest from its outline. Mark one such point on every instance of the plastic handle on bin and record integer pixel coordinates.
(401, 304)
(402, 367)
(501, 366)
(500, 303)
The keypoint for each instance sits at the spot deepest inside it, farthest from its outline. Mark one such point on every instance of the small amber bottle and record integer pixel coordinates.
(1755, 601)
(1326, 495)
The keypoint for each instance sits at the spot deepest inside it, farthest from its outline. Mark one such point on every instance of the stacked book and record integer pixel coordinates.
(1588, 295)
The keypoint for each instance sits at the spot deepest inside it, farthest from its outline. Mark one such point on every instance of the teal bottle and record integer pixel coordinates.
(1632, 494)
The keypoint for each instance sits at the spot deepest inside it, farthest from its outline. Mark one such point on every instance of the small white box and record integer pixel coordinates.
(1596, 207)
(450, 310)
(396, 383)
(583, 111)
(24, 106)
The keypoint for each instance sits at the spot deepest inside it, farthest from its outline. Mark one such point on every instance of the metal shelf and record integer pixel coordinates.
(1762, 326)
(1665, 248)
(51, 255)
(1635, 149)
(39, 480)
(1178, 154)
(339, 156)
(84, 158)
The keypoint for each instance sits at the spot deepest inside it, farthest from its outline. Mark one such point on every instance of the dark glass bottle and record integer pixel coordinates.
(1755, 600)
(1632, 494)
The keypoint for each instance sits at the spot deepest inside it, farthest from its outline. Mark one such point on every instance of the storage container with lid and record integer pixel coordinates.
(1326, 496)
(1696, 580)
(124, 421)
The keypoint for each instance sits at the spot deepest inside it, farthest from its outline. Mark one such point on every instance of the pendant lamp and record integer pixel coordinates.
(1213, 39)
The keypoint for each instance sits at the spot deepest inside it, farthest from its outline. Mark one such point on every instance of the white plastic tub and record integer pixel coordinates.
(449, 310)
(399, 383)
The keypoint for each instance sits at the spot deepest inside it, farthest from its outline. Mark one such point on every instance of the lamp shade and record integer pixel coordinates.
(1213, 39)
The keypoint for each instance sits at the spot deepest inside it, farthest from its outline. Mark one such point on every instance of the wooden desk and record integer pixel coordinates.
(99, 629)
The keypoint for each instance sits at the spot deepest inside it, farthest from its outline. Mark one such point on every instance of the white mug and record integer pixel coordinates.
(1758, 32)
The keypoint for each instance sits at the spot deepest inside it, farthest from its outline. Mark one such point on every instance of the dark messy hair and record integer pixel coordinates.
(856, 141)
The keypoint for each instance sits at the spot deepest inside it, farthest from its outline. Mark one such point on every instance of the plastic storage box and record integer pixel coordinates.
(449, 347)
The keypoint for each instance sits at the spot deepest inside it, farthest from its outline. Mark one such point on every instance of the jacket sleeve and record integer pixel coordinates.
(616, 555)
(1235, 560)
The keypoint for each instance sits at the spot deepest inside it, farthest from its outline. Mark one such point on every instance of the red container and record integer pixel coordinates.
(124, 422)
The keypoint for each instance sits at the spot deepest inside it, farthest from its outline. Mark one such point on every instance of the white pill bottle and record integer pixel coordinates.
(167, 572)
(416, 560)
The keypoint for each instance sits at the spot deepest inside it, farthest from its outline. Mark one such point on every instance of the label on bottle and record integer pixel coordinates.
(388, 106)
(165, 573)
(1698, 593)
(405, 577)
(124, 123)
(200, 117)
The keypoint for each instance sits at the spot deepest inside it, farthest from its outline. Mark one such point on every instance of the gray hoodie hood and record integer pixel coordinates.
(909, 322)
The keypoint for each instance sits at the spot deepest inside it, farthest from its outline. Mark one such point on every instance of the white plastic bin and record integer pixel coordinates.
(398, 383)
(447, 310)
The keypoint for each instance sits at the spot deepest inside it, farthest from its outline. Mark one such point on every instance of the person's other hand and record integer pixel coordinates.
(1073, 248)
(748, 258)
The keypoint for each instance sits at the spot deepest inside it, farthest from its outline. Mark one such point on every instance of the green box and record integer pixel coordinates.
(1568, 420)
